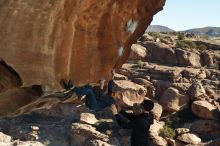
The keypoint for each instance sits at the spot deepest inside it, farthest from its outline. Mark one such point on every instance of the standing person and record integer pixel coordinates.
(139, 121)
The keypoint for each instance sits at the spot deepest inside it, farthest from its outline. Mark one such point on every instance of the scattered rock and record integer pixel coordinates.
(207, 129)
(196, 91)
(187, 58)
(15, 98)
(155, 127)
(161, 86)
(80, 133)
(26, 143)
(160, 53)
(138, 52)
(172, 142)
(207, 58)
(96, 143)
(120, 77)
(5, 138)
(203, 109)
(172, 100)
(147, 85)
(158, 141)
(127, 93)
(25, 133)
(88, 118)
(157, 111)
(146, 37)
(180, 131)
(189, 138)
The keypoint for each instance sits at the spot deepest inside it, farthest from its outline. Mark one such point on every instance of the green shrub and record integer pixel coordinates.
(191, 44)
(180, 44)
(140, 64)
(186, 44)
(181, 36)
(167, 131)
(202, 47)
(155, 35)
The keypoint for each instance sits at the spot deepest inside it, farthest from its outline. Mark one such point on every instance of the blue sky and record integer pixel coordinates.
(187, 14)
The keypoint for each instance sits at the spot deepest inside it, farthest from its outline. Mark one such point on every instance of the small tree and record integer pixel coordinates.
(181, 36)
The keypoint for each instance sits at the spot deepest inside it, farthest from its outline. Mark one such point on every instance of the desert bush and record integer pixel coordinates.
(181, 36)
(202, 47)
(155, 35)
(180, 44)
(167, 131)
(140, 64)
(186, 44)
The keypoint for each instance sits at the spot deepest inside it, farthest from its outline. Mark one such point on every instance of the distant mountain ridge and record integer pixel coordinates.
(211, 31)
(159, 28)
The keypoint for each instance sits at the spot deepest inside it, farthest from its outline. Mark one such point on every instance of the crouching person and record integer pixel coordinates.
(139, 121)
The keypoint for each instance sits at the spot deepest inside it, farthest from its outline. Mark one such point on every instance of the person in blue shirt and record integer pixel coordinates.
(95, 99)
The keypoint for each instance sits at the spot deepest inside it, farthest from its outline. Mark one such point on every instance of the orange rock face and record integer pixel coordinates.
(47, 40)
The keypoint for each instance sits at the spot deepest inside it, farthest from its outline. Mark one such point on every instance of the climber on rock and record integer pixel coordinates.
(139, 121)
(95, 98)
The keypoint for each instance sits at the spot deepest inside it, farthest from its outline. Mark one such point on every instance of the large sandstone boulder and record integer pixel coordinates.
(8, 77)
(162, 72)
(88, 118)
(161, 53)
(207, 58)
(173, 100)
(82, 133)
(157, 111)
(210, 58)
(5, 138)
(147, 85)
(156, 127)
(191, 73)
(203, 109)
(180, 131)
(126, 93)
(161, 86)
(189, 138)
(45, 41)
(154, 131)
(208, 129)
(188, 58)
(120, 77)
(196, 91)
(9, 100)
(158, 141)
(138, 52)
